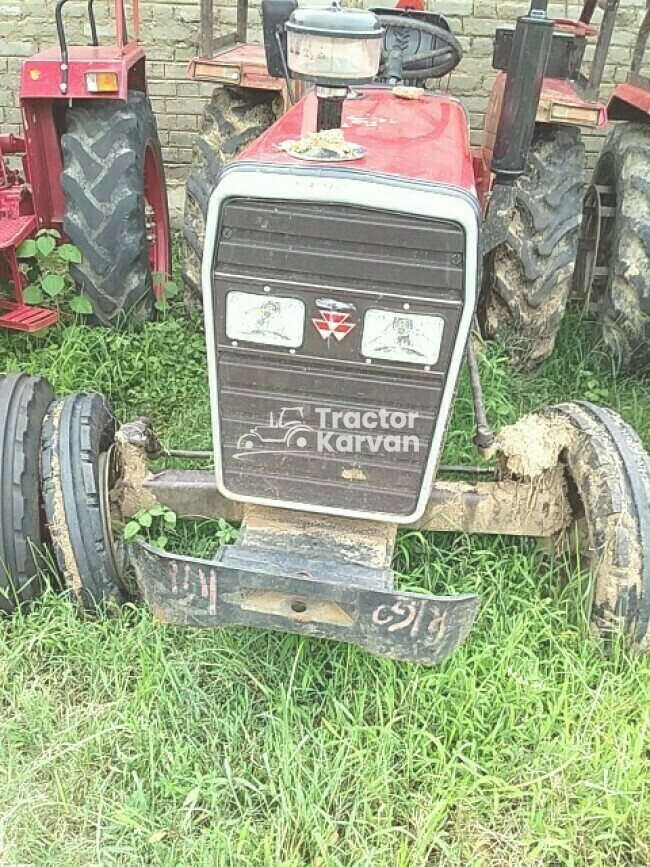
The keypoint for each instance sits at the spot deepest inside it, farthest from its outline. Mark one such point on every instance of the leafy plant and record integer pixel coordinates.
(594, 388)
(226, 533)
(166, 291)
(45, 263)
(152, 524)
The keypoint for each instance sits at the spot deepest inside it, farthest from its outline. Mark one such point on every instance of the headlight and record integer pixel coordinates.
(393, 335)
(265, 319)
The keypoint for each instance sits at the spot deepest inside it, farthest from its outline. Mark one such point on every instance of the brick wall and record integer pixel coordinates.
(170, 29)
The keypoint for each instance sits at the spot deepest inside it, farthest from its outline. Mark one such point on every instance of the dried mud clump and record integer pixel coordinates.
(530, 448)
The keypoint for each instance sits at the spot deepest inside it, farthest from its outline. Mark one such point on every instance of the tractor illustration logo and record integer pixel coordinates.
(289, 432)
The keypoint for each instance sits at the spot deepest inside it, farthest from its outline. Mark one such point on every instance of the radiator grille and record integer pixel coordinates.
(331, 255)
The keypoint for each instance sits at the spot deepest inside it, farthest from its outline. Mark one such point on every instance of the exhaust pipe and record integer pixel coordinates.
(531, 48)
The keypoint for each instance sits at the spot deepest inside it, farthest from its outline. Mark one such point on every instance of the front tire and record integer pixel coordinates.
(233, 118)
(116, 206)
(24, 400)
(607, 473)
(527, 279)
(77, 437)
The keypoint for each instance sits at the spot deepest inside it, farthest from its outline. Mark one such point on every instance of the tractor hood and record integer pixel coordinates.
(338, 301)
(424, 139)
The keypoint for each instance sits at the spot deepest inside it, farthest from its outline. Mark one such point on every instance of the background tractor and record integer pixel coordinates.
(613, 266)
(361, 217)
(528, 277)
(90, 167)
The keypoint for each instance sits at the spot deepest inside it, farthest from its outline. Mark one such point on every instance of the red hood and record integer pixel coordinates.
(425, 139)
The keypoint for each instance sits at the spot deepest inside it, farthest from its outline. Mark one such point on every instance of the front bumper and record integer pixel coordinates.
(266, 591)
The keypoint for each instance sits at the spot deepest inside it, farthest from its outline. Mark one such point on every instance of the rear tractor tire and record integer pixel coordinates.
(607, 474)
(233, 118)
(78, 435)
(24, 400)
(116, 207)
(527, 279)
(613, 268)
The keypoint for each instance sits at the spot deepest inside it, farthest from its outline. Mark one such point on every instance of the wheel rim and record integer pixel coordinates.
(592, 267)
(156, 217)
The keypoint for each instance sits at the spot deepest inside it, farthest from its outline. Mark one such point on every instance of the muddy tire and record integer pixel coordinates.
(232, 119)
(623, 301)
(111, 155)
(527, 280)
(78, 432)
(607, 472)
(24, 400)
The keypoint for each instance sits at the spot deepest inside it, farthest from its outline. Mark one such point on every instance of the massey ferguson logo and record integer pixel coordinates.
(333, 324)
(335, 431)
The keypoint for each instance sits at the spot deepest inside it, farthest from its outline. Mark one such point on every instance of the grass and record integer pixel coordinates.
(125, 742)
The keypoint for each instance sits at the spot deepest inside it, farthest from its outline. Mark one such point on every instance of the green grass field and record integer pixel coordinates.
(124, 742)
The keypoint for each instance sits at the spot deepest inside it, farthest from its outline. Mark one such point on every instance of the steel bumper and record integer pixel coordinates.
(414, 627)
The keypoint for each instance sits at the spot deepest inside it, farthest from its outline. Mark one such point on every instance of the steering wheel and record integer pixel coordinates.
(416, 50)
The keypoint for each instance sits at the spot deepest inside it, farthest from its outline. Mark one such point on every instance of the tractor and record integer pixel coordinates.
(89, 165)
(340, 275)
(528, 267)
(612, 273)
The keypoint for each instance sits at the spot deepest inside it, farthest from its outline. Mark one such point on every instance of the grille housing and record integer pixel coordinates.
(342, 254)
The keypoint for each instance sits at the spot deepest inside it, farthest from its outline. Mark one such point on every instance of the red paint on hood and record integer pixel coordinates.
(425, 139)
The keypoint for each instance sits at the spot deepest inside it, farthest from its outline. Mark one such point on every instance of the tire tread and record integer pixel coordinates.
(527, 279)
(103, 182)
(24, 401)
(77, 430)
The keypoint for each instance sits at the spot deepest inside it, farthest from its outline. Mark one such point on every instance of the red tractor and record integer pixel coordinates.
(340, 275)
(613, 266)
(90, 167)
(529, 264)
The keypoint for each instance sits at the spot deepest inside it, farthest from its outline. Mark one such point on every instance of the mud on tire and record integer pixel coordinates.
(103, 179)
(77, 431)
(623, 304)
(232, 119)
(23, 403)
(527, 280)
(607, 472)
